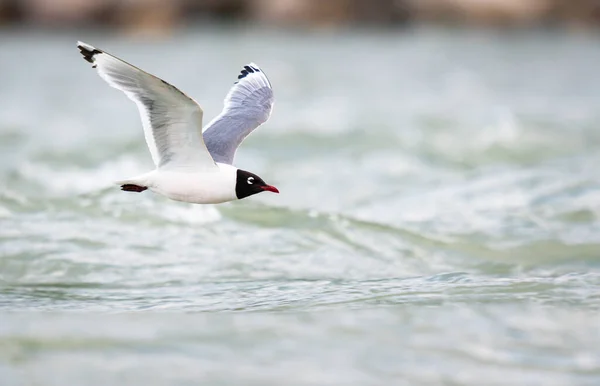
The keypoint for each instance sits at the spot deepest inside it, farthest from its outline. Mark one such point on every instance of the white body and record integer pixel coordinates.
(213, 186)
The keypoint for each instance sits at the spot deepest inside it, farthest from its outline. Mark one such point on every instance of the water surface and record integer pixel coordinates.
(438, 222)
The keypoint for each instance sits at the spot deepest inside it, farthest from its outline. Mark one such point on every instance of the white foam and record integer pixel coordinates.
(190, 213)
(4, 212)
(77, 180)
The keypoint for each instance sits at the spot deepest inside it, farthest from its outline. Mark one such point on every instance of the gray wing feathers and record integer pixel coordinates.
(171, 119)
(247, 106)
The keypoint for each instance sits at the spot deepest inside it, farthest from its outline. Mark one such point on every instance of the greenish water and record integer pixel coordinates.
(438, 222)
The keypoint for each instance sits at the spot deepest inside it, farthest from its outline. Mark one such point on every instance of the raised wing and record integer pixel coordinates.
(247, 106)
(172, 121)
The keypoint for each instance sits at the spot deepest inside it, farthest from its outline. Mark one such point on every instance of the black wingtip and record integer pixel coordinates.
(88, 52)
(247, 70)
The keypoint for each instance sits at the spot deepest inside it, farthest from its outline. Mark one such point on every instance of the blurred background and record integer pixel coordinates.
(439, 215)
(157, 15)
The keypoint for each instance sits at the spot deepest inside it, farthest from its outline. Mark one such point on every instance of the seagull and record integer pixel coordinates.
(192, 164)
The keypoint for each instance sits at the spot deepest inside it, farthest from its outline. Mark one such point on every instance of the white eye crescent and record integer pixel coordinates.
(250, 180)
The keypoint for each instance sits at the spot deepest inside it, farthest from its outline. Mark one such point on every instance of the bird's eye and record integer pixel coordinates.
(250, 180)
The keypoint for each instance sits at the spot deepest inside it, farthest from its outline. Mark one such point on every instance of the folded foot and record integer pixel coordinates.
(133, 188)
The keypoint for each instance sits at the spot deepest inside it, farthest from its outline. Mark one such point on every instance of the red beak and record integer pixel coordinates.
(270, 188)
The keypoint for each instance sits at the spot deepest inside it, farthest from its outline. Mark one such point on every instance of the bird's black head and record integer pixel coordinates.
(247, 184)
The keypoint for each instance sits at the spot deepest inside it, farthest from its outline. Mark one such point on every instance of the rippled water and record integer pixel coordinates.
(439, 221)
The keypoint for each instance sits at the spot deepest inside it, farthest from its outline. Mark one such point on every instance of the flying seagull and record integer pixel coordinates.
(192, 164)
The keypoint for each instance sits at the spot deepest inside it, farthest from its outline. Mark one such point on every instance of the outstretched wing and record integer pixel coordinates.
(172, 121)
(247, 106)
